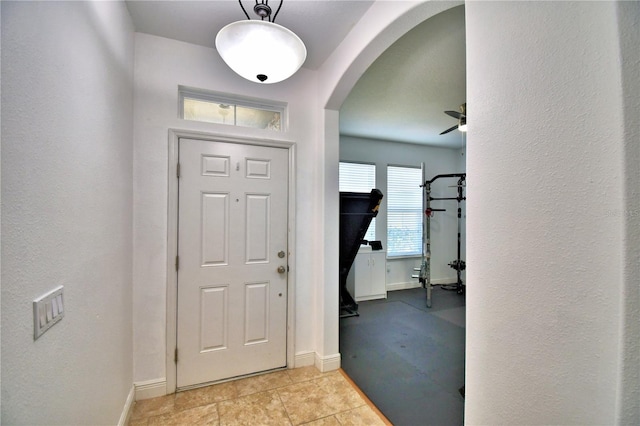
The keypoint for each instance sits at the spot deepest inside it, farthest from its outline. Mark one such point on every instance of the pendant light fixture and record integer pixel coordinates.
(261, 50)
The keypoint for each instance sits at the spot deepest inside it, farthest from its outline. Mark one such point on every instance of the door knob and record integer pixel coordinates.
(281, 269)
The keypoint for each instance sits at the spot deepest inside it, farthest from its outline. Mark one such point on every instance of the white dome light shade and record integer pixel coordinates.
(261, 51)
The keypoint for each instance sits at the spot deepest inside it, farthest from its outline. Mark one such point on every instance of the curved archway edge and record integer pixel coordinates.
(383, 24)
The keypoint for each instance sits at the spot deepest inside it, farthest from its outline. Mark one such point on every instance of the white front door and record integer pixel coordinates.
(232, 248)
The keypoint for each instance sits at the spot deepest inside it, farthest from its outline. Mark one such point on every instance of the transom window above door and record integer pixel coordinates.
(211, 107)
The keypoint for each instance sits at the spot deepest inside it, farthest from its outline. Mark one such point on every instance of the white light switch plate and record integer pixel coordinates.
(48, 309)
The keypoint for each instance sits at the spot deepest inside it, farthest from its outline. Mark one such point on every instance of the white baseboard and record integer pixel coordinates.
(128, 407)
(416, 284)
(304, 359)
(327, 363)
(403, 286)
(150, 389)
(154, 388)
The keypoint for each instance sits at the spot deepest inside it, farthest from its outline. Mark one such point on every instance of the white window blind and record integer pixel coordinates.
(358, 177)
(404, 211)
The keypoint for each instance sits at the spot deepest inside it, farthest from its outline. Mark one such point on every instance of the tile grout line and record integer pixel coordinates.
(365, 398)
(284, 406)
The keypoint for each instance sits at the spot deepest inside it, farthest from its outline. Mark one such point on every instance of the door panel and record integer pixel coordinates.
(213, 318)
(256, 313)
(215, 229)
(232, 300)
(258, 224)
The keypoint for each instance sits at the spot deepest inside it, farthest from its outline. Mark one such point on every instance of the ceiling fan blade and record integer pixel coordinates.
(454, 114)
(450, 129)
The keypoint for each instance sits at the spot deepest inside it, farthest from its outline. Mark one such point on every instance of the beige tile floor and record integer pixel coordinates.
(287, 397)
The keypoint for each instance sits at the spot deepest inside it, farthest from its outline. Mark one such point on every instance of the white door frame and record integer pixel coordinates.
(172, 239)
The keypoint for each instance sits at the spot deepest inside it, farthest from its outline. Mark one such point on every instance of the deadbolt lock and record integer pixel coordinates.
(281, 254)
(281, 269)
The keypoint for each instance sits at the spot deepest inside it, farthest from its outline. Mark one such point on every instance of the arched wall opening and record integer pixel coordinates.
(383, 24)
(552, 323)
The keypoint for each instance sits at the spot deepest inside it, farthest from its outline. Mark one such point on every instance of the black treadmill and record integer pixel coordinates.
(357, 209)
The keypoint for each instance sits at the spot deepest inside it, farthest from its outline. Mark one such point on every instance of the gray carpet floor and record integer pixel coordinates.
(409, 359)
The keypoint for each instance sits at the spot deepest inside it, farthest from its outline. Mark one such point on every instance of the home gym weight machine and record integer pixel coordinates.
(459, 265)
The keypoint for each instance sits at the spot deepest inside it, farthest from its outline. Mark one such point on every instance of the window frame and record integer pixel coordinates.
(418, 209)
(229, 99)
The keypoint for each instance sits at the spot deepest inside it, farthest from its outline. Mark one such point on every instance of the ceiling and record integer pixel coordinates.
(401, 97)
(404, 93)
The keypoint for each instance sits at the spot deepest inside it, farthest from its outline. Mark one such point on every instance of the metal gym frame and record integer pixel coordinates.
(459, 265)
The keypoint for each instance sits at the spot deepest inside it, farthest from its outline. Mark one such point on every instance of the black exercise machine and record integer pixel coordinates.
(356, 212)
(458, 264)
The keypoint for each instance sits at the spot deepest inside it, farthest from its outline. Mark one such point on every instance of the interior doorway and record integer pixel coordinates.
(399, 337)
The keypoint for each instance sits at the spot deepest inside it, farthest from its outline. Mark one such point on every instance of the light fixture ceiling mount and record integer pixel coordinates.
(261, 50)
(262, 10)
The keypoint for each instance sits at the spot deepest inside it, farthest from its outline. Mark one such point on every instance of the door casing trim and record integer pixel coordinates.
(172, 239)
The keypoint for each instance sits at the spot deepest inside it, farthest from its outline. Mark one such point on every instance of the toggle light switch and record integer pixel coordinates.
(54, 306)
(49, 311)
(60, 306)
(42, 311)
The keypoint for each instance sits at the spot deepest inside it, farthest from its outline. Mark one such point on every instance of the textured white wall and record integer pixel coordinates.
(162, 65)
(0, 211)
(545, 229)
(67, 101)
(629, 387)
(443, 224)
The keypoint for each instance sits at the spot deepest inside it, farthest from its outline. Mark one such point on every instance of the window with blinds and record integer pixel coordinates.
(404, 211)
(359, 177)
